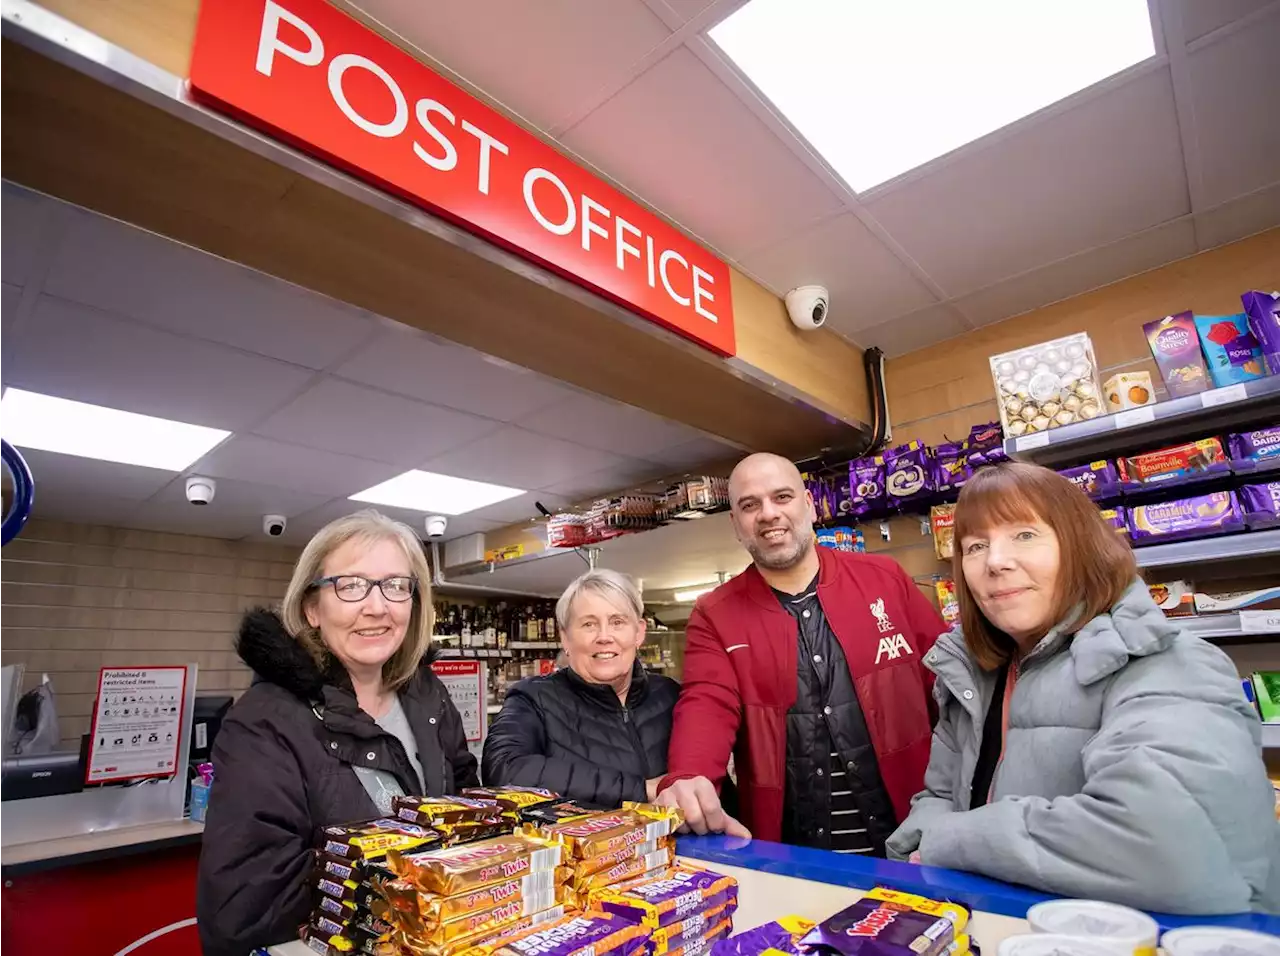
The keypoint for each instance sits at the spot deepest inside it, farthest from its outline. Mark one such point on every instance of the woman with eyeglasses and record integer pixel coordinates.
(344, 713)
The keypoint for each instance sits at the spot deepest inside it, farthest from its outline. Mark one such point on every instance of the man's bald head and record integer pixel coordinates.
(763, 463)
(771, 510)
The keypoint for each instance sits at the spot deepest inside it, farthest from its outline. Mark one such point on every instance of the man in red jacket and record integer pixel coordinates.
(808, 667)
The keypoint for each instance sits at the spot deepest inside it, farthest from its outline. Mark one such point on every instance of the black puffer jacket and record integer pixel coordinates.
(283, 762)
(563, 734)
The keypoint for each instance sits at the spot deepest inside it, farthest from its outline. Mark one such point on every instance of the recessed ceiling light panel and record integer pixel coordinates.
(31, 420)
(439, 494)
(879, 87)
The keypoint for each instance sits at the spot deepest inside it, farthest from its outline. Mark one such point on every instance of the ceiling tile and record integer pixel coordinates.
(1088, 270)
(611, 481)
(414, 364)
(235, 498)
(548, 58)
(307, 524)
(337, 416)
(10, 297)
(600, 423)
(523, 507)
(1235, 86)
(1204, 16)
(669, 135)
(915, 331)
(868, 284)
(1103, 169)
(1238, 218)
(267, 462)
(24, 214)
(522, 459)
(137, 274)
(686, 10)
(127, 366)
(61, 477)
(697, 454)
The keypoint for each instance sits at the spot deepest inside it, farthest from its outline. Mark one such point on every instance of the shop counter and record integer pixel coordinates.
(132, 886)
(775, 880)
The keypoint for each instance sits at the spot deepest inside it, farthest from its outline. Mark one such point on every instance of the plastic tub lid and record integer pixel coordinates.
(1055, 944)
(1094, 919)
(1218, 941)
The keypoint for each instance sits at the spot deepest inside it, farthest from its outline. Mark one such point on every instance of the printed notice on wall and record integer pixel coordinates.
(137, 723)
(465, 682)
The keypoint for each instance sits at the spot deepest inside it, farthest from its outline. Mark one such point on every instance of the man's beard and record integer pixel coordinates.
(783, 561)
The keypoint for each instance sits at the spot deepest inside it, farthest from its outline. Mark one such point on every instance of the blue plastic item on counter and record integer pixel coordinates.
(199, 800)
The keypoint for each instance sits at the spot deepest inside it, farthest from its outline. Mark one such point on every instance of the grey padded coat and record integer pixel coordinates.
(1131, 771)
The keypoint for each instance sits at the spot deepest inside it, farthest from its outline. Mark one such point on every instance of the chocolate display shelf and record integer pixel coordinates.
(1225, 628)
(1255, 403)
(1230, 547)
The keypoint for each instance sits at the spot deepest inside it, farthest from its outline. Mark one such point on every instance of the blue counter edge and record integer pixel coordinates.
(978, 892)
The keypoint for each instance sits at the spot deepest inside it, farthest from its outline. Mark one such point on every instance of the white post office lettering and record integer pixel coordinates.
(439, 151)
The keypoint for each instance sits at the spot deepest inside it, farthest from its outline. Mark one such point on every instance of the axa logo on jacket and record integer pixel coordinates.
(893, 647)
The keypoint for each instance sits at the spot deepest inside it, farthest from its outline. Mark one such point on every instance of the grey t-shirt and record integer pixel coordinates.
(379, 784)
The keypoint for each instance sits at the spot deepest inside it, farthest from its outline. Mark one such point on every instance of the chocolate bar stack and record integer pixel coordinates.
(685, 909)
(446, 899)
(351, 865)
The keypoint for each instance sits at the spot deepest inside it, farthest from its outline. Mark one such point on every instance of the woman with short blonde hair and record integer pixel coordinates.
(596, 730)
(344, 714)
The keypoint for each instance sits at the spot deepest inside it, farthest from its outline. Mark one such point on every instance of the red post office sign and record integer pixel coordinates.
(314, 77)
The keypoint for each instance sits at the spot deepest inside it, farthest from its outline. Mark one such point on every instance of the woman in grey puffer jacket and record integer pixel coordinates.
(1087, 746)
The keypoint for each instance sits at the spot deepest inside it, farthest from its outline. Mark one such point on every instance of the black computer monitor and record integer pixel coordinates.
(209, 712)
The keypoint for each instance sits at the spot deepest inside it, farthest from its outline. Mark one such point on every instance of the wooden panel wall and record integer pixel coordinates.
(939, 392)
(944, 389)
(80, 597)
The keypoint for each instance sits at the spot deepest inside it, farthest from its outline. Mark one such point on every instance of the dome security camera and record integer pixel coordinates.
(200, 491)
(274, 525)
(808, 305)
(436, 525)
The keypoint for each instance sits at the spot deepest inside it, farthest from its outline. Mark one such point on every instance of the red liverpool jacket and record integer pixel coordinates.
(740, 681)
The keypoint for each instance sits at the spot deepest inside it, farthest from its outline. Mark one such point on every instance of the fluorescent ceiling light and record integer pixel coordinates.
(879, 87)
(688, 597)
(107, 434)
(441, 494)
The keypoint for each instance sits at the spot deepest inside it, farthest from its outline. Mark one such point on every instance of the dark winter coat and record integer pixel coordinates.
(563, 734)
(283, 762)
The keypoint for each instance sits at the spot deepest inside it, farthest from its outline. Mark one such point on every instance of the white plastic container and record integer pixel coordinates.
(1218, 941)
(1054, 944)
(1128, 931)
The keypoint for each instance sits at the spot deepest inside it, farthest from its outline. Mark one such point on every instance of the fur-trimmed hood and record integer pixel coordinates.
(274, 655)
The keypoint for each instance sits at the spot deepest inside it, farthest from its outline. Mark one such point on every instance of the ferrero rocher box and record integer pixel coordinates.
(1043, 386)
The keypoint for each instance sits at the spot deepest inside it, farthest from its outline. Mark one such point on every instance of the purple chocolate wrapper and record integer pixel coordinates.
(873, 928)
(1216, 513)
(866, 482)
(692, 891)
(950, 466)
(909, 475)
(1263, 311)
(1261, 504)
(570, 935)
(1117, 517)
(1262, 445)
(753, 942)
(1099, 480)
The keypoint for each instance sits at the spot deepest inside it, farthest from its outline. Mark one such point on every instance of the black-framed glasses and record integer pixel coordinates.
(352, 587)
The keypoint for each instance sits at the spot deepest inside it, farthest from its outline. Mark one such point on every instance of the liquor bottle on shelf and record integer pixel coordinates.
(502, 623)
(531, 624)
(490, 628)
(466, 626)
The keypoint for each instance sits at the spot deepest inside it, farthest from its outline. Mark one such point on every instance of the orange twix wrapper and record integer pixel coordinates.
(480, 937)
(610, 832)
(472, 866)
(627, 869)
